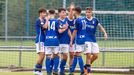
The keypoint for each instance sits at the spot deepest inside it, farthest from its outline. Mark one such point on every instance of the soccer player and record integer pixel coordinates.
(52, 43)
(64, 39)
(40, 38)
(70, 22)
(91, 44)
(80, 41)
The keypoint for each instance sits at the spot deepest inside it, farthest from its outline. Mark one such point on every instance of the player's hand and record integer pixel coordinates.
(48, 17)
(105, 36)
(65, 26)
(71, 44)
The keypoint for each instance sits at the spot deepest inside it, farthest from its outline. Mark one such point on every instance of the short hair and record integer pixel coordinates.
(68, 9)
(51, 11)
(61, 9)
(42, 10)
(78, 9)
(89, 8)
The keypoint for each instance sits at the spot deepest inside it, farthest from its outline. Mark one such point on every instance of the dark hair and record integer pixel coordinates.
(42, 10)
(68, 9)
(61, 9)
(51, 11)
(89, 8)
(78, 9)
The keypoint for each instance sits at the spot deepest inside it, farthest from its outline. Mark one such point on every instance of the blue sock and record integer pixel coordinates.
(62, 65)
(48, 64)
(52, 63)
(38, 67)
(81, 64)
(56, 63)
(72, 68)
(88, 67)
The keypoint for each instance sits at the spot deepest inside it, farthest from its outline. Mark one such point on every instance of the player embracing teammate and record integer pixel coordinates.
(71, 34)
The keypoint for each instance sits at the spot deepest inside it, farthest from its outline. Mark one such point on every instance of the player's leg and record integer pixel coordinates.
(87, 66)
(52, 61)
(38, 66)
(56, 60)
(64, 53)
(71, 55)
(77, 58)
(48, 60)
(95, 52)
(72, 67)
(80, 59)
(41, 54)
(94, 57)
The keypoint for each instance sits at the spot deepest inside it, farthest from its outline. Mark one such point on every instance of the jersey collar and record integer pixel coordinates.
(89, 19)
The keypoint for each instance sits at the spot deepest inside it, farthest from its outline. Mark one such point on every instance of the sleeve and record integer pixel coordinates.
(57, 25)
(37, 23)
(98, 22)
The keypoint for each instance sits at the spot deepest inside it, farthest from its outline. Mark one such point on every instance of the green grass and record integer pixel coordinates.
(112, 59)
(102, 43)
(30, 73)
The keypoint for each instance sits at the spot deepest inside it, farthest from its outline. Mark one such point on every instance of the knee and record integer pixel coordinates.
(65, 56)
(95, 56)
(71, 55)
(88, 56)
(42, 54)
(40, 58)
(55, 55)
(78, 53)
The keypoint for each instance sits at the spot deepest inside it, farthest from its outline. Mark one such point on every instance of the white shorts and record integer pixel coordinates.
(80, 48)
(64, 48)
(40, 47)
(72, 49)
(52, 50)
(91, 47)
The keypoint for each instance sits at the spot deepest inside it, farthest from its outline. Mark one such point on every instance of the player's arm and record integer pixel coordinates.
(74, 32)
(73, 36)
(65, 26)
(62, 29)
(44, 26)
(69, 33)
(103, 30)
